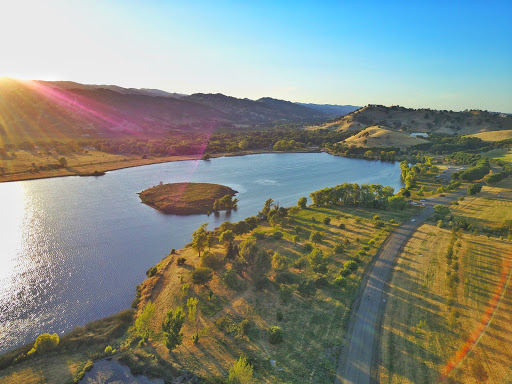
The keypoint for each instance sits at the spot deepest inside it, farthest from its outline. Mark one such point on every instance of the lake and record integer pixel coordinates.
(73, 249)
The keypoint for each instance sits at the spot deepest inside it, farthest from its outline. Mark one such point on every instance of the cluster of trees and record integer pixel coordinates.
(350, 150)
(287, 145)
(477, 172)
(367, 195)
(442, 144)
(225, 203)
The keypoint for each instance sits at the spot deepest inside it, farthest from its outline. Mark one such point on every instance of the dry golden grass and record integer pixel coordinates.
(21, 167)
(494, 135)
(379, 136)
(412, 352)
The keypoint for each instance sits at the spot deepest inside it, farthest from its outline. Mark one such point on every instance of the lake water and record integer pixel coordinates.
(73, 249)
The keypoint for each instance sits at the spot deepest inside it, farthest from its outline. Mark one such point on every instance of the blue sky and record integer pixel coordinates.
(446, 55)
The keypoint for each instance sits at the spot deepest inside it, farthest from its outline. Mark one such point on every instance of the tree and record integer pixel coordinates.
(397, 203)
(142, 324)
(212, 260)
(240, 372)
(279, 262)
(172, 328)
(202, 275)
(63, 162)
(192, 309)
(266, 208)
(317, 260)
(275, 335)
(302, 202)
(473, 189)
(441, 211)
(200, 239)
(315, 237)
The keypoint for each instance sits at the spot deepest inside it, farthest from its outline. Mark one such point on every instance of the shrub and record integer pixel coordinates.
(306, 288)
(277, 235)
(275, 335)
(340, 281)
(341, 226)
(45, 343)
(302, 202)
(173, 251)
(151, 272)
(230, 279)
(285, 293)
(350, 265)
(243, 328)
(296, 239)
(212, 260)
(109, 351)
(279, 316)
(339, 248)
(293, 210)
(202, 275)
(308, 247)
(327, 220)
(315, 237)
(240, 372)
(259, 235)
(180, 260)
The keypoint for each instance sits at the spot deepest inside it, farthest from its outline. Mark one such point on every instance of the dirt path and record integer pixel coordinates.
(360, 352)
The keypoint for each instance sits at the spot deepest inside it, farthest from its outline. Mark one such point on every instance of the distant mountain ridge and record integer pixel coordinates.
(332, 109)
(63, 109)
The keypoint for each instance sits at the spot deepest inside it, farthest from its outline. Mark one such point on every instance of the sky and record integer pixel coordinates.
(436, 54)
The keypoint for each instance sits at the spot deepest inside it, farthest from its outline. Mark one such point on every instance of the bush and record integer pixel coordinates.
(306, 288)
(308, 247)
(202, 275)
(212, 260)
(339, 248)
(180, 260)
(230, 278)
(327, 220)
(302, 202)
(259, 235)
(279, 316)
(173, 251)
(45, 343)
(240, 372)
(109, 351)
(340, 281)
(151, 272)
(341, 226)
(473, 189)
(275, 335)
(315, 237)
(350, 265)
(277, 235)
(285, 293)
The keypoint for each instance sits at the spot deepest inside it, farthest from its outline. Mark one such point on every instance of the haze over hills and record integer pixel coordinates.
(62, 109)
(331, 109)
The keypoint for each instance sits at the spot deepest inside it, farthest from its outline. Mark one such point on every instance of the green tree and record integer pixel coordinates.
(240, 372)
(315, 237)
(473, 189)
(212, 260)
(192, 309)
(202, 275)
(279, 262)
(302, 202)
(441, 211)
(397, 203)
(172, 328)
(200, 239)
(142, 323)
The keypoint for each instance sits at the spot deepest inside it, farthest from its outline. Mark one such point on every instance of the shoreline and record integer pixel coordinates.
(106, 167)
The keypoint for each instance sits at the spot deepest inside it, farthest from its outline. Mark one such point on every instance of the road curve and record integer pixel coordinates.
(361, 346)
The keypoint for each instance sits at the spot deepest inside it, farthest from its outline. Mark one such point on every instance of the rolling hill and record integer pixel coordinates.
(494, 135)
(379, 136)
(398, 118)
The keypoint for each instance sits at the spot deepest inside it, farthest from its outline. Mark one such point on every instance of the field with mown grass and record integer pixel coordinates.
(439, 305)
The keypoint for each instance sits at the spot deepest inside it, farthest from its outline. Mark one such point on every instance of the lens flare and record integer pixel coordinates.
(484, 322)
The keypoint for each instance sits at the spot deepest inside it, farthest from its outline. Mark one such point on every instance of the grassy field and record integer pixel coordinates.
(501, 154)
(22, 166)
(313, 327)
(381, 137)
(431, 322)
(494, 135)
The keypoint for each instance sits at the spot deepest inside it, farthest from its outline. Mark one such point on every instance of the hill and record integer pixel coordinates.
(379, 136)
(331, 109)
(494, 135)
(421, 120)
(33, 110)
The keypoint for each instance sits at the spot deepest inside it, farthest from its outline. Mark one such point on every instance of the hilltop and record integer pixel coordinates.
(379, 137)
(35, 110)
(409, 120)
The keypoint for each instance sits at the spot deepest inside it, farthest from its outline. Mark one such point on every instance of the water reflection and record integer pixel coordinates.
(73, 249)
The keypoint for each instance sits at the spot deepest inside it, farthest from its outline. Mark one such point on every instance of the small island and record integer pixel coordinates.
(189, 198)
